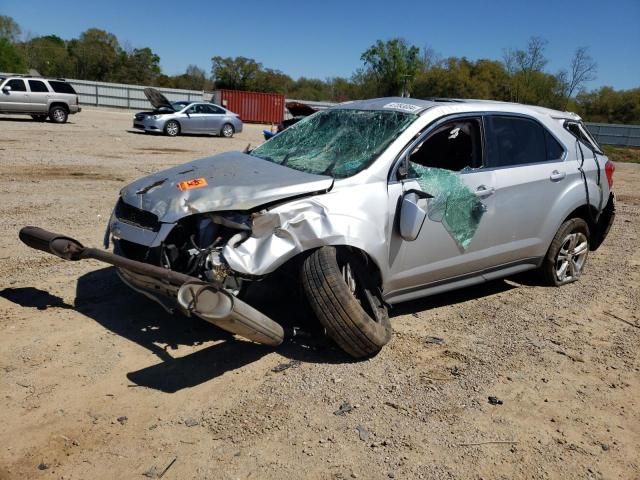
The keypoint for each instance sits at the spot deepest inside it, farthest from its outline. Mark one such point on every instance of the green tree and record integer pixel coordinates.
(394, 64)
(97, 54)
(48, 55)
(9, 29)
(269, 80)
(238, 73)
(140, 66)
(11, 59)
(194, 78)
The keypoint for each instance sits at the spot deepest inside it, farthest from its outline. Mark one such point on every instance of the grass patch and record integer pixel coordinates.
(622, 154)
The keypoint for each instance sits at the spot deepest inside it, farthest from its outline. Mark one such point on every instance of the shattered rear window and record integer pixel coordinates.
(339, 142)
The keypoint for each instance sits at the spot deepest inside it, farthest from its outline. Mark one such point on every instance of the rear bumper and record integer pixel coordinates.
(604, 223)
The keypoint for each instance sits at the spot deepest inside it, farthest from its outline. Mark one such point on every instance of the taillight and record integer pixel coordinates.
(609, 168)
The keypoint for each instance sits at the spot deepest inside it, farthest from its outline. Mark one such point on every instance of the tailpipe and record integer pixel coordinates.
(205, 300)
(229, 313)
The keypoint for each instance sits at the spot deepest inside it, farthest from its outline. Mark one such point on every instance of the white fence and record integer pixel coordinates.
(619, 135)
(121, 95)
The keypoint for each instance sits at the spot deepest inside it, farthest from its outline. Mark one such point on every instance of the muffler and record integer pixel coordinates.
(205, 300)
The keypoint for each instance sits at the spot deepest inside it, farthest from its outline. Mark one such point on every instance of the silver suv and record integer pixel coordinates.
(360, 206)
(38, 97)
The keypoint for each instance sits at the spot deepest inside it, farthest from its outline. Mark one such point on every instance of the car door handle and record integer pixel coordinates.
(483, 191)
(556, 176)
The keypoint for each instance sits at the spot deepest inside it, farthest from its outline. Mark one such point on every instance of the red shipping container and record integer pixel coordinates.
(254, 107)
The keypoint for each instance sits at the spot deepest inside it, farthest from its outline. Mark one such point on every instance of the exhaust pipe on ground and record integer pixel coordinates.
(205, 300)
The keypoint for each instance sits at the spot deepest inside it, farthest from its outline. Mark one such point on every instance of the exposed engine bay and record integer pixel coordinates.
(194, 247)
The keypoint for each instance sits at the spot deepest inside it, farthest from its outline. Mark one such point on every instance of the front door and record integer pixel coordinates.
(15, 98)
(455, 240)
(194, 119)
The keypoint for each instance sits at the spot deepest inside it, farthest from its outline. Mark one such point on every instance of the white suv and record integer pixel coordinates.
(38, 97)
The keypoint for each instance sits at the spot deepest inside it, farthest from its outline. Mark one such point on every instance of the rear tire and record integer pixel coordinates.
(567, 255)
(172, 128)
(350, 312)
(227, 130)
(58, 114)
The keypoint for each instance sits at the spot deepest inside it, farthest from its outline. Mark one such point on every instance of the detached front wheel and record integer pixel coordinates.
(344, 298)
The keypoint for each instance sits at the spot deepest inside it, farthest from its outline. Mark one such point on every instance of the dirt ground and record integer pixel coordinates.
(99, 382)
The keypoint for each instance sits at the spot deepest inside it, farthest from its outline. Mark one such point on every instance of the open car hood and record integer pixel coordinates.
(298, 109)
(229, 181)
(157, 99)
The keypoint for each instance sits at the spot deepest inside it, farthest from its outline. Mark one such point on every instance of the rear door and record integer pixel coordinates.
(530, 174)
(39, 95)
(214, 118)
(15, 98)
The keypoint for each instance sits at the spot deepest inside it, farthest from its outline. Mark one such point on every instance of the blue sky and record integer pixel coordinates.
(325, 39)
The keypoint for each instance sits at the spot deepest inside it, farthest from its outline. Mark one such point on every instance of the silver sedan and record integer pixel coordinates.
(186, 117)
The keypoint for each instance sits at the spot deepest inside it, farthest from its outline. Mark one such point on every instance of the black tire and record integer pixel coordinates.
(359, 327)
(559, 250)
(227, 130)
(58, 114)
(172, 128)
(39, 117)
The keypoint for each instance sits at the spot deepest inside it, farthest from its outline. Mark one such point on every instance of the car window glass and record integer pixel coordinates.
(192, 109)
(554, 149)
(17, 85)
(515, 141)
(37, 86)
(215, 109)
(454, 146)
(579, 131)
(61, 87)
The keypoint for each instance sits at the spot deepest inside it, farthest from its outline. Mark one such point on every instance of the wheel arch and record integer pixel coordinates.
(59, 104)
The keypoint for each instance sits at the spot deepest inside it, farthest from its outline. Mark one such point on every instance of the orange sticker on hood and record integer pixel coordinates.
(190, 184)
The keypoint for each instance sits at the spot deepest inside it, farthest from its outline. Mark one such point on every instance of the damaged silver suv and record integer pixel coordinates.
(373, 203)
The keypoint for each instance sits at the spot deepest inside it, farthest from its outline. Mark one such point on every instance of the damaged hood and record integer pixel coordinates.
(157, 99)
(229, 181)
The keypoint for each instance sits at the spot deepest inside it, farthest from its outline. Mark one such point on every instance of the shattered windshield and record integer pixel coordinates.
(338, 142)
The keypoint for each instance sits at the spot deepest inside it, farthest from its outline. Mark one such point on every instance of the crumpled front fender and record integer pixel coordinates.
(332, 219)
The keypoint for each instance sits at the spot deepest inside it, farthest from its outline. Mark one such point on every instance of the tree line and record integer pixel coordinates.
(392, 67)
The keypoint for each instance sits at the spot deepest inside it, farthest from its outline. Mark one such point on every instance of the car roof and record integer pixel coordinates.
(419, 106)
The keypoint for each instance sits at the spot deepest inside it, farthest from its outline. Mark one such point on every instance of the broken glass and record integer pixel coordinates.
(453, 203)
(335, 142)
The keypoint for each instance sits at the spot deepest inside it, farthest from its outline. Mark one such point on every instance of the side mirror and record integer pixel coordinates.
(6, 89)
(411, 215)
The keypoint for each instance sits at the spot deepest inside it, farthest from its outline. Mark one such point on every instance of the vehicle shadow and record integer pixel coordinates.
(30, 297)
(103, 297)
(160, 134)
(26, 119)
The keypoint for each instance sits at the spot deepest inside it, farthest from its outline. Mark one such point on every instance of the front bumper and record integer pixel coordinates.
(149, 124)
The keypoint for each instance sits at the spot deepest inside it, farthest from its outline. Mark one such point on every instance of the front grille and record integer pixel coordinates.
(135, 216)
(140, 116)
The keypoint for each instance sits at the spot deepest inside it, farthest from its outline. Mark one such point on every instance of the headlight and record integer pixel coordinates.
(156, 117)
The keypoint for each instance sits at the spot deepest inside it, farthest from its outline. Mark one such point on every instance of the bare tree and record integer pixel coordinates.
(583, 69)
(523, 64)
(430, 58)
